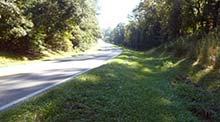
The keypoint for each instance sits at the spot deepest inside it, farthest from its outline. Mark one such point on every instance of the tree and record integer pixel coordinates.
(31, 26)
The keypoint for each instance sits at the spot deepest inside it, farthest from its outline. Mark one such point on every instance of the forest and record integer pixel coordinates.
(168, 68)
(187, 29)
(29, 27)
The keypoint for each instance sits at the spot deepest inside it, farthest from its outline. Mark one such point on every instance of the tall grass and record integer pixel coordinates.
(200, 86)
(201, 47)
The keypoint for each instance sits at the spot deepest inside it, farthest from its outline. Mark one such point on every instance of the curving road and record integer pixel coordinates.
(22, 82)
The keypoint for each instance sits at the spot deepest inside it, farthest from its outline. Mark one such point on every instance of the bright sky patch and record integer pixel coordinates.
(113, 12)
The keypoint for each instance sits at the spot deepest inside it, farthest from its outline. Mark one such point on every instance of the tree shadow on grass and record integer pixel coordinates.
(11, 56)
(133, 87)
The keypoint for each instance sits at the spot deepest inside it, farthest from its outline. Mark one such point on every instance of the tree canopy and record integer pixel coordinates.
(157, 21)
(31, 26)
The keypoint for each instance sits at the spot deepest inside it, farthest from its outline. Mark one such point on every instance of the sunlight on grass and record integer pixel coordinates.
(7, 60)
(127, 89)
(196, 77)
(147, 70)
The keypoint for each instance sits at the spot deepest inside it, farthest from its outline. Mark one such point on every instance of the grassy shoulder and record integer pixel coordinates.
(7, 60)
(134, 87)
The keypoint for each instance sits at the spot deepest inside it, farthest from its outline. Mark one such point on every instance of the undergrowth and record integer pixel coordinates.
(199, 86)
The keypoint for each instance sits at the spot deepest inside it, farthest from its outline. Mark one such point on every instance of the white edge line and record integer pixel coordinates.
(4, 107)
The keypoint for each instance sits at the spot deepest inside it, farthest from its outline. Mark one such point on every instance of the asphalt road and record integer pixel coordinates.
(29, 80)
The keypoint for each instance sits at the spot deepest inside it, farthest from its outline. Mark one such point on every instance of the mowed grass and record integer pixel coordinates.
(134, 87)
(8, 59)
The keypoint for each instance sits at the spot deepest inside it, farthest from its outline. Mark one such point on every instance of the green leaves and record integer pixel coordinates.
(32, 25)
(13, 23)
(154, 22)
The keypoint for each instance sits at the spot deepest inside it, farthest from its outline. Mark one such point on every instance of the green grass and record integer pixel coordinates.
(134, 87)
(7, 60)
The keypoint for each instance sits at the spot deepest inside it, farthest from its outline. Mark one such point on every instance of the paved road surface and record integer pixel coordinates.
(29, 80)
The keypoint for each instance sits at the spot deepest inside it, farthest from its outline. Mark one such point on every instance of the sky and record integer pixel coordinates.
(113, 12)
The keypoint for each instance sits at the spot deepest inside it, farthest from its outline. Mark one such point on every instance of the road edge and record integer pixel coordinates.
(34, 94)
